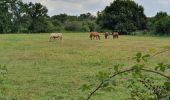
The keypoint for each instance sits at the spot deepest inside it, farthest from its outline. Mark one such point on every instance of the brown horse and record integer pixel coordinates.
(106, 35)
(94, 35)
(115, 35)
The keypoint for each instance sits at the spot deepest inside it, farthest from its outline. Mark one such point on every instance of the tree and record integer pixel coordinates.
(159, 24)
(160, 15)
(84, 22)
(17, 12)
(73, 26)
(86, 16)
(17, 16)
(38, 15)
(5, 16)
(62, 17)
(122, 16)
(162, 26)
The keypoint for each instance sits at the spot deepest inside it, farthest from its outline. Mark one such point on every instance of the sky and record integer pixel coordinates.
(76, 7)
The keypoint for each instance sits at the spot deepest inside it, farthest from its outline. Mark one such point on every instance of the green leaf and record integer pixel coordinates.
(157, 67)
(145, 57)
(167, 66)
(139, 55)
(116, 68)
(102, 76)
(113, 82)
(84, 87)
(137, 68)
(167, 85)
(160, 64)
(161, 67)
(109, 89)
(105, 84)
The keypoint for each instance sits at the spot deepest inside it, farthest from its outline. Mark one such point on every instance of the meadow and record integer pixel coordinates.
(43, 70)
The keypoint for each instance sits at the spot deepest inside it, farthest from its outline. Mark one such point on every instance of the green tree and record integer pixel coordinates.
(162, 26)
(17, 12)
(159, 24)
(62, 17)
(83, 22)
(122, 16)
(73, 26)
(5, 16)
(160, 15)
(86, 16)
(38, 15)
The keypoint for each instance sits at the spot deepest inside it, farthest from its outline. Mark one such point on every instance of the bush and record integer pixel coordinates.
(73, 26)
(162, 26)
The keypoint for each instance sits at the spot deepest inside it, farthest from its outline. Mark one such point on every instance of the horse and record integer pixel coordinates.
(94, 35)
(55, 36)
(115, 35)
(106, 35)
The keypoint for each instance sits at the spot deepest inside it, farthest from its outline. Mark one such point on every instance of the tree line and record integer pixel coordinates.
(123, 16)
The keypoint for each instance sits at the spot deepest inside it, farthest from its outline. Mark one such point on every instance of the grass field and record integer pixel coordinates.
(43, 70)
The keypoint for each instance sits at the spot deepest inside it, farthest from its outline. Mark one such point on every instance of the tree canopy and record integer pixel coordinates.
(122, 16)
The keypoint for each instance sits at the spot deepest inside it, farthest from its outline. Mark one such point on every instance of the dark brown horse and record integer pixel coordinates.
(94, 35)
(106, 35)
(115, 35)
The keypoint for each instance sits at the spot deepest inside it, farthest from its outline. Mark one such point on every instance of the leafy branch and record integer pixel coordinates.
(137, 69)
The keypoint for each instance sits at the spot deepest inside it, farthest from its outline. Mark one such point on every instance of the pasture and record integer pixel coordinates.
(43, 70)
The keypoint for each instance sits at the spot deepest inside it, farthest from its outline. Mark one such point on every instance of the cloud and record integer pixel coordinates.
(73, 7)
(163, 2)
(151, 7)
(76, 7)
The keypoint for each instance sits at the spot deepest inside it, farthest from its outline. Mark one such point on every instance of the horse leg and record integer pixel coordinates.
(90, 36)
(54, 38)
(117, 36)
(49, 39)
(61, 37)
(105, 36)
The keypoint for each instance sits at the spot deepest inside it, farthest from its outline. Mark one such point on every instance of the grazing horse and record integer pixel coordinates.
(106, 35)
(94, 35)
(115, 35)
(55, 36)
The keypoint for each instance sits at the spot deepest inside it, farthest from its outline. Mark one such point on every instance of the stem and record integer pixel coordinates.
(147, 70)
(99, 86)
(160, 53)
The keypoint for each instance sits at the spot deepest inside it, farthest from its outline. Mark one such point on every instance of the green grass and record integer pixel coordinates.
(43, 70)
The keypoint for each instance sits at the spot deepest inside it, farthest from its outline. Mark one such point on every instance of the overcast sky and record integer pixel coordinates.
(76, 7)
